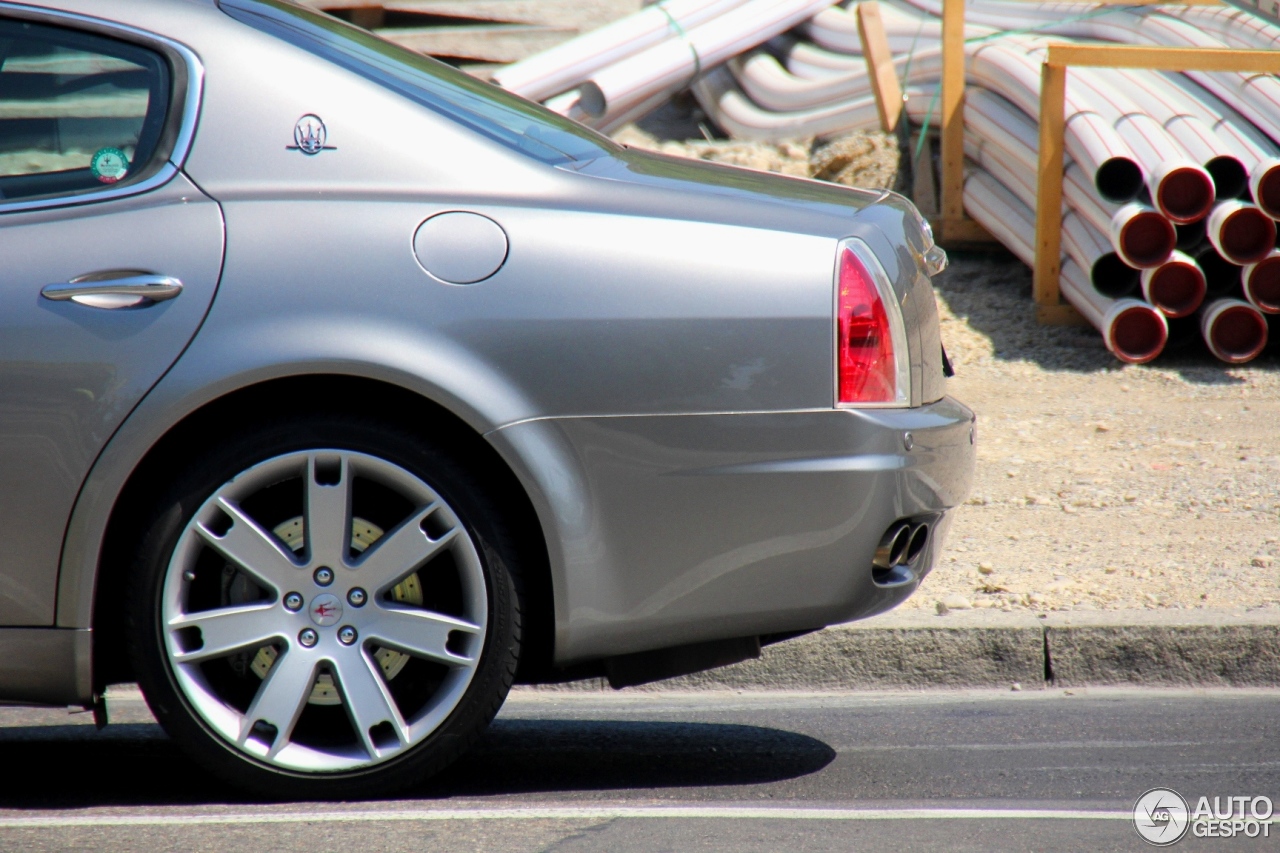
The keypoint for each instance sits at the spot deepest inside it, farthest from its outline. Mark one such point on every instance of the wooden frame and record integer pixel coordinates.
(884, 78)
(1053, 87)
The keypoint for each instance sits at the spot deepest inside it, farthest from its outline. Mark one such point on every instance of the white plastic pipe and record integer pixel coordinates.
(837, 29)
(1174, 109)
(722, 100)
(1140, 235)
(807, 60)
(1180, 188)
(675, 62)
(1089, 139)
(567, 65)
(1257, 97)
(1241, 232)
(1262, 283)
(773, 87)
(1176, 288)
(1133, 330)
(1235, 331)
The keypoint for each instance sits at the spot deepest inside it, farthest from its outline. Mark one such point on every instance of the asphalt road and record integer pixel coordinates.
(956, 771)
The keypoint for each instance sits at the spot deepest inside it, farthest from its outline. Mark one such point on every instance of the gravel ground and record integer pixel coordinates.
(1102, 485)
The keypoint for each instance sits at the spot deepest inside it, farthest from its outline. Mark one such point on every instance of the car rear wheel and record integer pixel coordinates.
(326, 608)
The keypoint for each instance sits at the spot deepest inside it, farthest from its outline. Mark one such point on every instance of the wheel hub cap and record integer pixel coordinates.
(326, 610)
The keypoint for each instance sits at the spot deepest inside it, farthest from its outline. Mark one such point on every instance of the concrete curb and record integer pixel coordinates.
(1181, 648)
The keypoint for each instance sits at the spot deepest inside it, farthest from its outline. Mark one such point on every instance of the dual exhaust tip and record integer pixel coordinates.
(900, 545)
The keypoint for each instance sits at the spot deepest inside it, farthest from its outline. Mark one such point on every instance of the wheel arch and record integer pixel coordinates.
(277, 397)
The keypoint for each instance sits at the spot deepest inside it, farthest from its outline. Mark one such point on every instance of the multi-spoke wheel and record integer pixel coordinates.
(338, 618)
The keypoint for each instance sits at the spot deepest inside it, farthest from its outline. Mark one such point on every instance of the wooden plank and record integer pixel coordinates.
(1059, 315)
(1165, 58)
(953, 109)
(924, 187)
(953, 233)
(479, 43)
(884, 78)
(1053, 90)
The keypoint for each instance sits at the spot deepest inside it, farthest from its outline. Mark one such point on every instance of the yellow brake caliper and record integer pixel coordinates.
(409, 591)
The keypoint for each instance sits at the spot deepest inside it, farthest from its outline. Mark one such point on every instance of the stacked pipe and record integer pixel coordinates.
(1171, 191)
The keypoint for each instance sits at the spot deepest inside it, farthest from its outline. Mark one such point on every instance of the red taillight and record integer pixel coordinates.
(865, 359)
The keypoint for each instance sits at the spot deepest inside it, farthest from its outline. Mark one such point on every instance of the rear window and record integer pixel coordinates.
(528, 127)
(78, 112)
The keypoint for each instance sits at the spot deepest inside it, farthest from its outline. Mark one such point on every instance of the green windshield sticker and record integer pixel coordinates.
(109, 165)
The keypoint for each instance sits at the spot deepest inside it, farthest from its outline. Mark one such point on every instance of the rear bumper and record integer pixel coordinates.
(668, 530)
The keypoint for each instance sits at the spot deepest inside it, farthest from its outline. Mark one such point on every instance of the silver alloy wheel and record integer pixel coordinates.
(356, 650)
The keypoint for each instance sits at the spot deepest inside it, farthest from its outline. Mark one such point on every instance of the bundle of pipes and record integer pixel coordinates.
(1172, 182)
(1156, 163)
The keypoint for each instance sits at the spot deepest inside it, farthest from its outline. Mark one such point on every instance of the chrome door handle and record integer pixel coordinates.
(124, 289)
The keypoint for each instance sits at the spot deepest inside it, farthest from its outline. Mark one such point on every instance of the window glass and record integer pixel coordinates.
(531, 128)
(78, 113)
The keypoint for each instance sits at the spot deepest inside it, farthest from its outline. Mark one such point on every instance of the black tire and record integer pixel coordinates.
(462, 491)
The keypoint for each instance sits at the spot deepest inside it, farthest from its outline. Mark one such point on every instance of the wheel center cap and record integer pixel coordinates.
(326, 610)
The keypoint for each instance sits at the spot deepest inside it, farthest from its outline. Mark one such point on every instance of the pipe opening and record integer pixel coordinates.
(1221, 277)
(1185, 195)
(1247, 235)
(919, 539)
(1119, 180)
(1190, 235)
(1230, 177)
(1263, 285)
(1184, 332)
(1267, 195)
(1147, 239)
(591, 99)
(1138, 335)
(1113, 277)
(1237, 334)
(1176, 288)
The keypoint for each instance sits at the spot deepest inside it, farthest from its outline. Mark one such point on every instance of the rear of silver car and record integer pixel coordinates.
(822, 499)
(440, 359)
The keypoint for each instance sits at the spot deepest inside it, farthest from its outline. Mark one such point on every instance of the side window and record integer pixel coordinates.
(78, 113)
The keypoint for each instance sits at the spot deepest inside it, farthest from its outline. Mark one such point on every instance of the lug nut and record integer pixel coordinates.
(308, 637)
(346, 635)
(324, 576)
(357, 597)
(293, 602)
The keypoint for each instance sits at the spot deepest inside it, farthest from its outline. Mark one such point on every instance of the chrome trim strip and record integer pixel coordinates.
(191, 103)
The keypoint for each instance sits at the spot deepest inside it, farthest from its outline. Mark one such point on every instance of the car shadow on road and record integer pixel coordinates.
(531, 755)
(991, 292)
(74, 766)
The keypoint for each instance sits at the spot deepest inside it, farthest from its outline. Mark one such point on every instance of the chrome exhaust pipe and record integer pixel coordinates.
(893, 545)
(917, 543)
